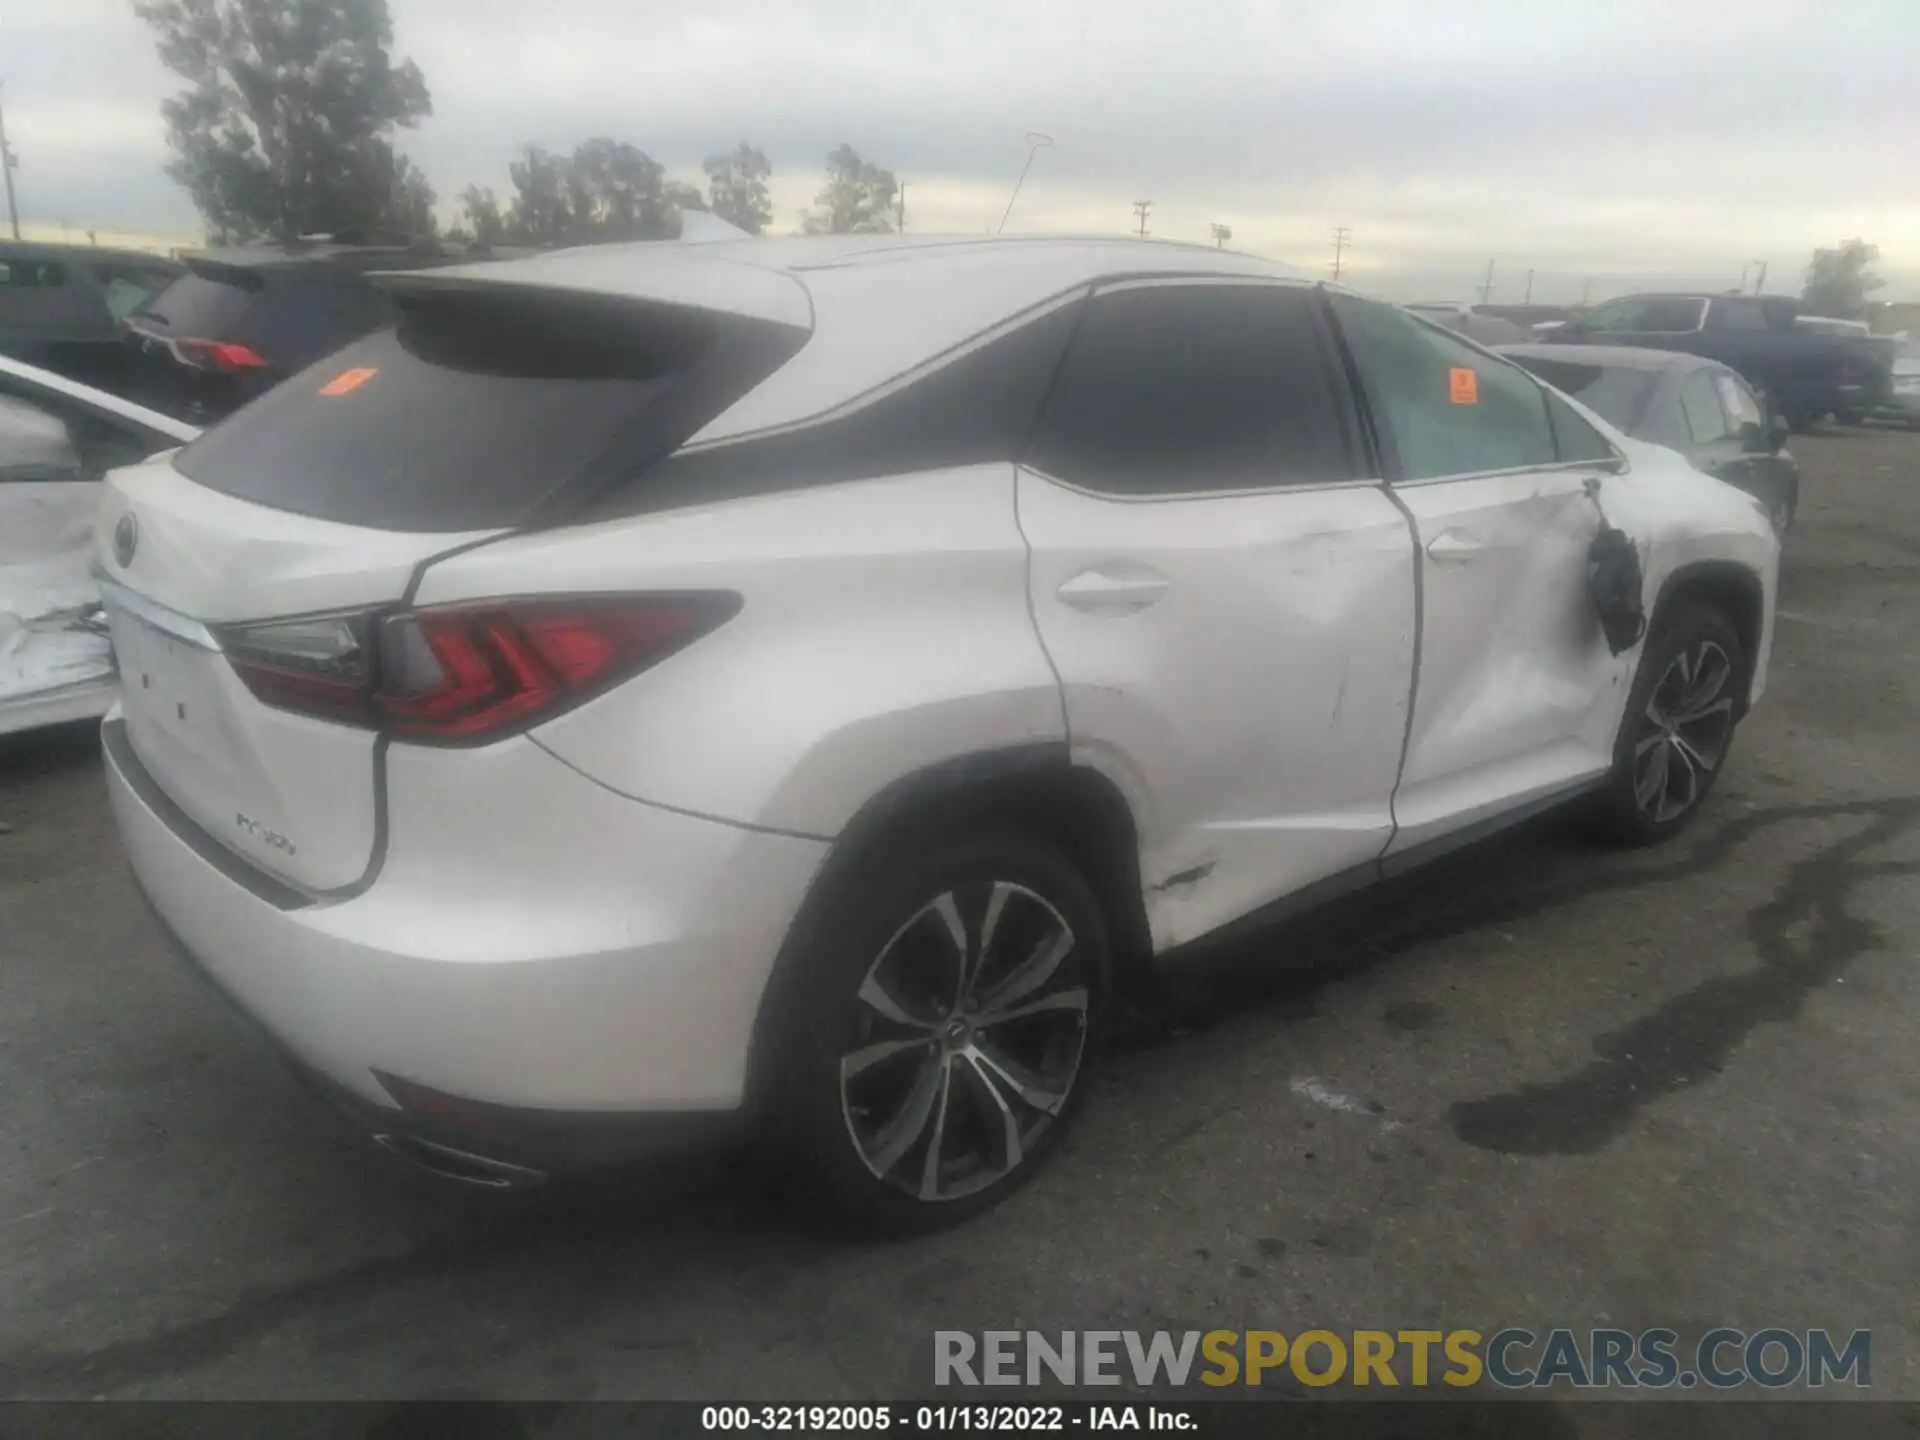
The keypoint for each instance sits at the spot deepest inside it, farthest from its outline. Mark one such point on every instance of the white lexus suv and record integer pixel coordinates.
(806, 681)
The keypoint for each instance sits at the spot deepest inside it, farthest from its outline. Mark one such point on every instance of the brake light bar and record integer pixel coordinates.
(471, 673)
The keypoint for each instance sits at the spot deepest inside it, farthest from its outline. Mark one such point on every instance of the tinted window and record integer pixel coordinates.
(126, 287)
(1573, 438)
(1739, 315)
(33, 274)
(1701, 406)
(1449, 408)
(1615, 393)
(199, 307)
(476, 409)
(1177, 388)
(979, 409)
(302, 316)
(1650, 314)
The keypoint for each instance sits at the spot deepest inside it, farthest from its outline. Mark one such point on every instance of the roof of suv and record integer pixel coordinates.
(878, 307)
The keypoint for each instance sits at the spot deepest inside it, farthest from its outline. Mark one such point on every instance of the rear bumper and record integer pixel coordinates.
(593, 997)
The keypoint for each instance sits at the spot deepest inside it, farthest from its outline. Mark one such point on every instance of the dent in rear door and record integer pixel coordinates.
(1229, 607)
(1518, 694)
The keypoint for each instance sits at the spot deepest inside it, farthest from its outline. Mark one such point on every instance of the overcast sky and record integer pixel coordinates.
(1622, 143)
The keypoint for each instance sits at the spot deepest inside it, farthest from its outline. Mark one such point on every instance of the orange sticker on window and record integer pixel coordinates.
(1463, 386)
(347, 381)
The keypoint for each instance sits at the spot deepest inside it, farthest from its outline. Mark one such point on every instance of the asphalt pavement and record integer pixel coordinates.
(1545, 1085)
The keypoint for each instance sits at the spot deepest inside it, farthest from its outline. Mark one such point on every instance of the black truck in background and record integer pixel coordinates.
(1797, 370)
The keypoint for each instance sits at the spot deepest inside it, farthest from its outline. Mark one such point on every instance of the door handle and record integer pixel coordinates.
(1104, 590)
(1453, 545)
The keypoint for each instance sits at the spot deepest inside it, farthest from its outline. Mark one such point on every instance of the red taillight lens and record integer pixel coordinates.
(466, 674)
(221, 355)
(469, 673)
(320, 665)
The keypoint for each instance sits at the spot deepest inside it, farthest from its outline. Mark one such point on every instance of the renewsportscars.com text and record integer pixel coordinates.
(1512, 1359)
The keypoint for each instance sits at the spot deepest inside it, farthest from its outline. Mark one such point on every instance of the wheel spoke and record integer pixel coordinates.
(876, 997)
(1696, 760)
(1030, 1085)
(996, 904)
(930, 1170)
(1722, 706)
(1033, 972)
(864, 1059)
(1682, 774)
(910, 1121)
(1011, 1151)
(1652, 784)
(947, 907)
(1063, 1001)
(1708, 679)
(1659, 737)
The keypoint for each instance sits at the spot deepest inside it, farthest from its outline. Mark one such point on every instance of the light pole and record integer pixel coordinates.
(7, 163)
(1036, 142)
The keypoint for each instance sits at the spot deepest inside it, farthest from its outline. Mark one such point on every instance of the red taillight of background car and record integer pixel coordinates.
(223, 356)
(466, 674)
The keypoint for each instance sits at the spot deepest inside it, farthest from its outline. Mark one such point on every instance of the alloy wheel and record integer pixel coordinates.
(1683, 732)
(971, 1025)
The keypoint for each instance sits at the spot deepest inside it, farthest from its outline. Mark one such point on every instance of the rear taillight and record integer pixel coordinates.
(223, 356)
(321, 665)
(466, 674)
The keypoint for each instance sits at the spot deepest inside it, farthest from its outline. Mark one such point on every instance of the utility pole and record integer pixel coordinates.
(1586, 287)
(7, 162)
(900, 222)
(1486, 286)
(1140, 208)
(1221, 234)
(1036, 142)
(1760, 280)
(1341, 235)
(1529, 299)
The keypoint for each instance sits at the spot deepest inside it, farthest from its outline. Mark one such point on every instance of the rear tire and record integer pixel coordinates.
(923, 1075)
(1678, 727)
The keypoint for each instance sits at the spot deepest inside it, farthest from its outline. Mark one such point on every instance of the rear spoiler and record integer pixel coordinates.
(653, 272)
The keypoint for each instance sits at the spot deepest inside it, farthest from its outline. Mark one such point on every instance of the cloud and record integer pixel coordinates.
(1588, 140)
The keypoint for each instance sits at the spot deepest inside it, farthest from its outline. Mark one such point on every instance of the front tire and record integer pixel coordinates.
(948, 1003)
(1678, 728)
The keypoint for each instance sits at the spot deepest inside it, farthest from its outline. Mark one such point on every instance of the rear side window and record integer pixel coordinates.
(1573, 438)
(1737, 314)
(1698, 402)
(1450, 409)
(481, 407)
(1171, 389)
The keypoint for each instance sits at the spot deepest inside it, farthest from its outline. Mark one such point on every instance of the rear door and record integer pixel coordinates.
(1224, 589)
(1517, 691)
(272, 545)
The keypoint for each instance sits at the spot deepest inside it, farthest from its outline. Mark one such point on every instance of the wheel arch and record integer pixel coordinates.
(1036, 787)
(1736, 591)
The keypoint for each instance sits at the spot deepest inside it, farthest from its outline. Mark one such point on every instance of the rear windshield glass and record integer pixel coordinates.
(199, 308)
(467, 416)
(1617, 395)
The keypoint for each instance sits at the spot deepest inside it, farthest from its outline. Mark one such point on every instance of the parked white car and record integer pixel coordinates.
(57, 439)
(801, 681)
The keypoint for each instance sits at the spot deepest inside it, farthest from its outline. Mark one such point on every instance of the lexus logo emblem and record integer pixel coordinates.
(126, 539)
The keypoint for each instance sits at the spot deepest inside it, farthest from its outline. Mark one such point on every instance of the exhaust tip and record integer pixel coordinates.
(458, 1165)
